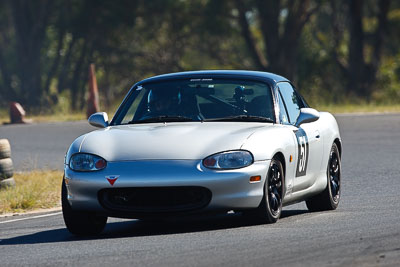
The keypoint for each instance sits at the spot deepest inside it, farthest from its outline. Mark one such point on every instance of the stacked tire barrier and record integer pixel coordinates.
(6, 165)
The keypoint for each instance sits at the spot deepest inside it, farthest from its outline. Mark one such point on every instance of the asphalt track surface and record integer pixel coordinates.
(42, 146)
(363, 231)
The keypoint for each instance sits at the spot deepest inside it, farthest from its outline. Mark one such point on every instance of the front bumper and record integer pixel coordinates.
(230, 189)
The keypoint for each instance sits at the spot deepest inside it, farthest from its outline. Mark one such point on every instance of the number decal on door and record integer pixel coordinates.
(303, 150)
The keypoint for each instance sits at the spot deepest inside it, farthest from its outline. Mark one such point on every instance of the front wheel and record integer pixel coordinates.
(270, 208)
(79, 222)
(329, 198)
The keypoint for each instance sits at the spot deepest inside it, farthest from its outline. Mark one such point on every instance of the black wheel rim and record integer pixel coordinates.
(334, 175)
(275, 189)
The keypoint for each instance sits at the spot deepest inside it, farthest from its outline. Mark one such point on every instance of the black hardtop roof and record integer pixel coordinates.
(218, 73)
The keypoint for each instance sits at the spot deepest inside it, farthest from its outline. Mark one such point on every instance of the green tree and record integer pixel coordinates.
(359, 71)
(280, 25)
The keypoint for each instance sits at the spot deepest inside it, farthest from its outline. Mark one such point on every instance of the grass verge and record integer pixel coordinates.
(57, 117)
(33, 190)
(358, 108)
(333, 108)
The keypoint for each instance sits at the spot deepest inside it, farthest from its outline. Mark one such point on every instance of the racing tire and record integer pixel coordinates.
(330, 197)
(79, 222)
(270, 208)
(6, 168)
(5, 149)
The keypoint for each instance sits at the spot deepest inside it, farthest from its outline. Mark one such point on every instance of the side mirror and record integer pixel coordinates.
(307, 115)
(99, 119)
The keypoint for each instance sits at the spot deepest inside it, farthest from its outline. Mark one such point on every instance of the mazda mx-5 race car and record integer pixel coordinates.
(203, 141)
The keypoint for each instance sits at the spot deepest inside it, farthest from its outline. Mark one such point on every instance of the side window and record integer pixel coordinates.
(283, 117)
(291, 100)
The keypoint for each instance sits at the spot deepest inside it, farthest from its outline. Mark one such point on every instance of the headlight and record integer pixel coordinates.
(229, 160)
(87, 162)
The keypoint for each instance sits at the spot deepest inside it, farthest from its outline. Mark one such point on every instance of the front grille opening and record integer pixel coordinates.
(155, 199)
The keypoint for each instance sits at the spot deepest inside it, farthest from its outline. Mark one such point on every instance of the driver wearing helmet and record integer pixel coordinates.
(163, 102)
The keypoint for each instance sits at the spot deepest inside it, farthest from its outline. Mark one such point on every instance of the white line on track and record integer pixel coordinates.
(33, 217)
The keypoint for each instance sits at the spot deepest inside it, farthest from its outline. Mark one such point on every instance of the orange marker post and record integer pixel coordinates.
(93, 100)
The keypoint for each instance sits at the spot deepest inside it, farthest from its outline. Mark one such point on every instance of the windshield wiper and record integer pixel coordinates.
(249, 118)
(164, 118)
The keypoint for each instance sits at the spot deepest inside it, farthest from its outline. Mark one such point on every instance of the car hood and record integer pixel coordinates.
(157, 141)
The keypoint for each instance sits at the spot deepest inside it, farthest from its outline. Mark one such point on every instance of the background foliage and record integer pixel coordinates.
(335, 51)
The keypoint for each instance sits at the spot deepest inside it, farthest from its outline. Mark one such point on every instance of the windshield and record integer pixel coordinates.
(198, 100)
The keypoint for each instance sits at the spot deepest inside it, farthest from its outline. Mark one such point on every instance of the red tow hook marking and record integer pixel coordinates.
(112, 178)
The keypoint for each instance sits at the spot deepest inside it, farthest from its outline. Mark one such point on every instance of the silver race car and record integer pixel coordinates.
(203, 141)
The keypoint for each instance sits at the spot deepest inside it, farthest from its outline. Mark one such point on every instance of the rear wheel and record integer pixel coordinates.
(329, 198)
(79, 222)
(270, 208)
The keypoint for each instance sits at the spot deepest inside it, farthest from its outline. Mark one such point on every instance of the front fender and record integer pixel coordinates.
(74, 148)
(265, 143)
